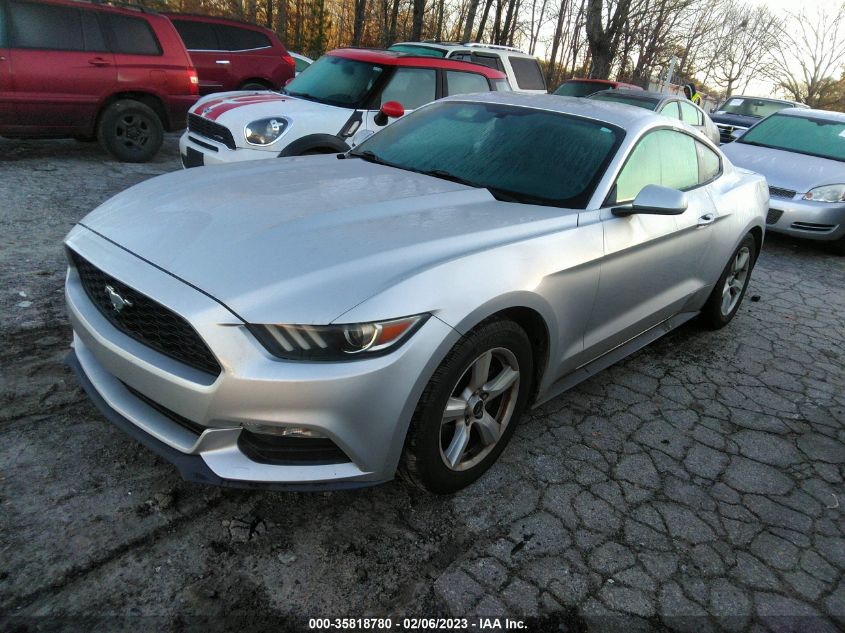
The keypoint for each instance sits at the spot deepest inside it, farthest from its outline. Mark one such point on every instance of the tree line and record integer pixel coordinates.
(720, 45)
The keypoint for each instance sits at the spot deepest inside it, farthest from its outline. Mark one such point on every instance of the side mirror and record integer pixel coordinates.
(656, 200)
(737, 134)
(290, 79)
(389, 110)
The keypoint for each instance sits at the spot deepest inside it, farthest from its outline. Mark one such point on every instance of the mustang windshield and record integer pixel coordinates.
(519, 154)
(815, 137)
(336, 81)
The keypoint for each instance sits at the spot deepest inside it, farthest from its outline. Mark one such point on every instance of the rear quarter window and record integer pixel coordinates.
(491, 61)
(527, 72)
(197, 36)
(45, 26)
(132, 36)
(233, 38)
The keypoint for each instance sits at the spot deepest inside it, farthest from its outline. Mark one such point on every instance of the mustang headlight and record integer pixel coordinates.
(336, 342)
(827, 193)
(265, 131)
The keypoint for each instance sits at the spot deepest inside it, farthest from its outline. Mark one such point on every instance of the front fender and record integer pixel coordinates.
(315, 141)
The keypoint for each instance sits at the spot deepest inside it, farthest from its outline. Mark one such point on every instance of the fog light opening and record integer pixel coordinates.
(281, 431)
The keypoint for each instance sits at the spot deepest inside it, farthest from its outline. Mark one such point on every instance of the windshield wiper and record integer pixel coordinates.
(445, 175)
(370, 157)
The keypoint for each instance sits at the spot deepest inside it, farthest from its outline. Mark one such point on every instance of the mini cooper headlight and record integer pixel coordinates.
(827, 193)
(265, 131)
(336, 342)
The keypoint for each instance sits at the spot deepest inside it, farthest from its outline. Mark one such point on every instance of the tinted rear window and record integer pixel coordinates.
(132, 36)
(234, 39)
(607, 95)
(197, 36)
(581, 88)
(528, 73)
(46, 26)
(92, 33)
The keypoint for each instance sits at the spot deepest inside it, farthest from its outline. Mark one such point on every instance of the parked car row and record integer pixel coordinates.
(122, 74)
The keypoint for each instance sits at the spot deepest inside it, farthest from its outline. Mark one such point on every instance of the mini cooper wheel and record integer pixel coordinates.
(724, 301)
(470, 407)
(130, 131)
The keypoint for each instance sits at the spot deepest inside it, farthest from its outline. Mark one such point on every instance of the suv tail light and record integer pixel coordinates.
(193, 82)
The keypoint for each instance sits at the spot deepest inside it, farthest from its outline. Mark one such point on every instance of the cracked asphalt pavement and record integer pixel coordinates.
(696, 486)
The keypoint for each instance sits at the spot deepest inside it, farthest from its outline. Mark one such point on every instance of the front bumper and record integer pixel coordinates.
(364, 407)
(806, 219)
(197, 151)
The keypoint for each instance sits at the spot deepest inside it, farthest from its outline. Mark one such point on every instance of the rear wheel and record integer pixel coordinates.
(724, 301)
(470, 407)
(130, 131)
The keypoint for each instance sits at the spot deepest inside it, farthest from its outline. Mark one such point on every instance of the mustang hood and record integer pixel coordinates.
(303, 240)
(788, 170)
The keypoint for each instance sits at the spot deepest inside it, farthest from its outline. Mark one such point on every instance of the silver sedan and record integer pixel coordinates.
(322, 321)
(801, 153)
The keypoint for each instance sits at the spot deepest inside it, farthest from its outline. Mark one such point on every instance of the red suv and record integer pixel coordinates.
(232, 55)
(85, 70)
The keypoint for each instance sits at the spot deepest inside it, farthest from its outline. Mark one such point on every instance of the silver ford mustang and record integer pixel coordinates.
(322, 321)
(801, 153)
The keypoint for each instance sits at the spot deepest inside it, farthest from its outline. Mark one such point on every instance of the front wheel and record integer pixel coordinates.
(724, 301)
(470, 407)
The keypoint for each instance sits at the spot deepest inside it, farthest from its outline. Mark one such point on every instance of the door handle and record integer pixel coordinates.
(706, 219)
(223, 61)
(99, 61)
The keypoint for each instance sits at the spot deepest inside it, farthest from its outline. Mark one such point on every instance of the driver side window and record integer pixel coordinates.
(662, 157)
(412, 87)
(671, 110)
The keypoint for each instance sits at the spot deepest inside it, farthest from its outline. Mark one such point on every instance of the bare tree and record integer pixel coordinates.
(603, 37)
(747, 38)
(811, 53)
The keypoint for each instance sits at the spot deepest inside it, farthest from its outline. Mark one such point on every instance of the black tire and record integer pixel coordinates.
(254, 85)
(319, 151)
(838, 247)
(423, 461)
(84, 139)
(713, 316)
(130, 131)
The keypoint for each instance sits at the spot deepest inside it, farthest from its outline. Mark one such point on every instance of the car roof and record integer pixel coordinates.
(127, 9)
(817, 115)
(645, 95)
(468, 46)
(620, 115)
(396, 58)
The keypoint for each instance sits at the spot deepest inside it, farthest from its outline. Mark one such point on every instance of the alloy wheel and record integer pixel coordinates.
(736, 280)
(479, 409)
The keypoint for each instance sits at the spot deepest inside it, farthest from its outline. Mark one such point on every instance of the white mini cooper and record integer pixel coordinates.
(343, 97)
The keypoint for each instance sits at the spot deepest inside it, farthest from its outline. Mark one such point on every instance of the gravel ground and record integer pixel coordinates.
(696, 486)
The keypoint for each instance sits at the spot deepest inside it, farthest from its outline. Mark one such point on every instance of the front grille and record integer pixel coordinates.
(182, 421)
(282, 450)
(773, 216)
(145, 320)
(725, 132)
(780, 192)
(816, 228)
(212, 130)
